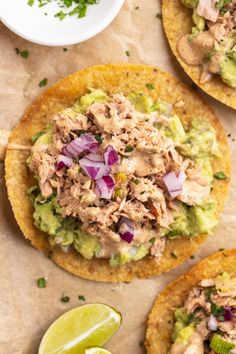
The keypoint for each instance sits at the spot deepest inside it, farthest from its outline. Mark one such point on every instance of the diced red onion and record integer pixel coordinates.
(173, 183)
(93, 166)
(110, 156)
(105, 187)
(85, 143)
(228, 314)
(212, 323)
(126, 229)
(63, 161)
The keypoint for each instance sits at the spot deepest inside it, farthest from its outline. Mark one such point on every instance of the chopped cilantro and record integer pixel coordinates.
(220, 175)
(221, 249)
(192, 257)
(41, 282)
(127, 52)
(61, 15)
(208, 292)
(152, 241)
(65, 298)
(22, 53)
(221, 3)
(81, 298)
(43, 82)
(65, 49)
(129, 148)
(217, 311)
(75, 7)
(150, 86)
(30, 2)
(99, 138)
(159, 16)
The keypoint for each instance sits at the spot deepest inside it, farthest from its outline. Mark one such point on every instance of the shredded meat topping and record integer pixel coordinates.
(140, 194)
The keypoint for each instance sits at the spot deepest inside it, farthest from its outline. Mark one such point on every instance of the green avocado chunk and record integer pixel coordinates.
(134, 255)
(95, 96)
(228, 71)
(191, 221)
(182, 328)
(198, 21)
(191, 4)
(141, 102)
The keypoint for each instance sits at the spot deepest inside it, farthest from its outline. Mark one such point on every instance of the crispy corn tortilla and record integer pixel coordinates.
(177, 20)
(161, 318)
(111, 78)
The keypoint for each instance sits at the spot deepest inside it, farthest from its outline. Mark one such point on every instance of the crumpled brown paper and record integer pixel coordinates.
(26, 311)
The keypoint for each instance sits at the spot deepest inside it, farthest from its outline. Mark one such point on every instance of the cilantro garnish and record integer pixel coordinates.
(81, 298)
(67, 7)
(150, 86)
(43, 82)
(217, 311)
(99, 138)
(41, 282)
(61, 15)
(220, 175)
(129, 148)
(23, 53)
(65, 298)
(159, 16)
(221, 3)
(127, 52)
(30, 2)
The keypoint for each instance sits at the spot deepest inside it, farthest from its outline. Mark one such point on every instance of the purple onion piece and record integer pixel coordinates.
(93, 166)
(105, 187)
(63, 161)
(85, 143)
(110, 156)
(173, 183)
(228, 314)
(127, 236)
(126, 229)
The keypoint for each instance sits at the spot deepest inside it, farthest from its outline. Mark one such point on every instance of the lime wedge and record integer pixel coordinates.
(97, 350)
(83, 327)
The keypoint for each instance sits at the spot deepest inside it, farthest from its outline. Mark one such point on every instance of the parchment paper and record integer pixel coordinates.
(26, 311)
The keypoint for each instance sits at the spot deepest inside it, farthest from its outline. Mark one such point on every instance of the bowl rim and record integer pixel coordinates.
(101, 25)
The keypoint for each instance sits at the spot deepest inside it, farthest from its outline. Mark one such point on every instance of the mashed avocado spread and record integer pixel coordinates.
(196, 142)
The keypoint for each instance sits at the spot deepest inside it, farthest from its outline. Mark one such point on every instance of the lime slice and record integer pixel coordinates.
(97, 350)
(83, 327)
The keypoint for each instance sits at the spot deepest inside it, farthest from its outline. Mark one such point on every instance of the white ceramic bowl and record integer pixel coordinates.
(32, 24)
